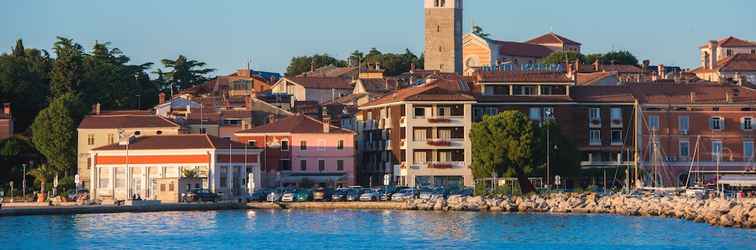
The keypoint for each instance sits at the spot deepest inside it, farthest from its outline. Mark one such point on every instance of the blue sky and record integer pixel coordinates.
(225, 34)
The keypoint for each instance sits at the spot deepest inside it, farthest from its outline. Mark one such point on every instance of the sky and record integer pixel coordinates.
(226, 34)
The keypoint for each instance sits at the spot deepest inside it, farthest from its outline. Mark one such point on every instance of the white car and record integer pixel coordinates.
(288, 197)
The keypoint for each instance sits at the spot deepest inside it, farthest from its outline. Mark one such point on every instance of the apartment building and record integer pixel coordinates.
(301, 151)
(418, 136)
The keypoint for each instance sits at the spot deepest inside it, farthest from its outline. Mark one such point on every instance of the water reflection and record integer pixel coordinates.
(318, 229)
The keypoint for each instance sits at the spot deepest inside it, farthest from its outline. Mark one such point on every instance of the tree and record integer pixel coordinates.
(302, 64)
(111, 81)
(591, 58)
(562, 57)
(15, 151)
(66, 73)
(619, 57)
(185, 73)
(504, 144)
(477, 30)
(54, 132)
(25, 83)
(564, 156)
(392, 64)
(43, 173)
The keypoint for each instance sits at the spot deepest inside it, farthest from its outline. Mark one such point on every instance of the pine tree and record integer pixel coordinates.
(19, 50)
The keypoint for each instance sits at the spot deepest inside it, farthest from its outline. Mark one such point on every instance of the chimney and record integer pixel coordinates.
(188, 111)
(577, 66)
(728, 97)
(326, 121)
(244, 73)
(161, 98)
(646, 64)
(662, 72)
(7, 108)
(97, 109)
(248, 103)
(692, 97)
(714, 47)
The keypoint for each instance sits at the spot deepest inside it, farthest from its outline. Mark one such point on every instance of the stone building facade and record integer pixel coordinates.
(443, 35)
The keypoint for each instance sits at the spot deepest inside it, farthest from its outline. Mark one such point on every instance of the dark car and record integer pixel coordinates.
(322, 194)
(276, 195)
(340, 194)
(354, 193)
(197, 195)
(259, 195)
(303, 195)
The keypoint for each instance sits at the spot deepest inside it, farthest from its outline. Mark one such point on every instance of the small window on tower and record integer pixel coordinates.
(438, 28)
(437, 2)
(440, 49)
(443, 3)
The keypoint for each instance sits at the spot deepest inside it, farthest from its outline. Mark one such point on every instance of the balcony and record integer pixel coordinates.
(446, 121)
(439, 144)
(445, 165)
(439, 120)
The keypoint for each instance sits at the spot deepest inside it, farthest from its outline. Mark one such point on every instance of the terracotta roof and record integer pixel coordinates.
(735, 63)
(331, 71)
(322, 82)
(589, 78)
(732, 42)
(584, 94)
(379, 85)
(704, 93)
(522, 76)
(112, 120)
(552, 37)
(299, 124)
(435, 90)
(522, 49)
(194, 141)
(621, 68)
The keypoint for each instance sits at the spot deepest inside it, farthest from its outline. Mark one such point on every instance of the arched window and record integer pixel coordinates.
(436, 5)
(443, 3)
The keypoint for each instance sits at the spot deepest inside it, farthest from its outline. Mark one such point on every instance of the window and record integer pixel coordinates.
(284, 145)
(748, 151)
(104, 177)
(524, 90)
(303, 145)
(729, 52)
(420, 134)
(419, 112)
(90, 140)
(444, 156)
(684, 149)
(595, 114)
(111, 139)
(653, 122)
(717, 123)
(162, 187)
(252, 143)
(340, 146)
(616, 114)
(444, 111)
(616, 137)
(753, 51)
(683, 124)
(224, 177)
(499, 90)
(170, 187)
(716, 150)
(303, 165)
(120, 178)
(285, 165)
(444, 133)
(595, 137)
(535, 114)
(340, 165)
(747, 123)
(548, 113)
(321, 165)
(420, 157)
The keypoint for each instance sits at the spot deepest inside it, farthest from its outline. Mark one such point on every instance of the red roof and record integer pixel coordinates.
(550, 38)
(114, 120)
(194, 141)
(735, 63)
(322, 82)
(296, 124)
(434, 90)
(732, 42)
(522, 49)
(590, 78)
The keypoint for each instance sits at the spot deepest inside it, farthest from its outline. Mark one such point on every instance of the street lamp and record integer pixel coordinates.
(23, 183)
(139, 102)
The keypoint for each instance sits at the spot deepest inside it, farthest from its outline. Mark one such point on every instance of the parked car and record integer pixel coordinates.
(405, 194)
(259, 195)
(371, 195)
(322, 194)
(354, 194)
(303, 195)
(389, 191)
(340, 194)
(288, 196)
(197, 195)
(275, 195)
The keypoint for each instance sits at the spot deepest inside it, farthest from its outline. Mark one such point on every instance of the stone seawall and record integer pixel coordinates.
(99, 209)
(719, 212)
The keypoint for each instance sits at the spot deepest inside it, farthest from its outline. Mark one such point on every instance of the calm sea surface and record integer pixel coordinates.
(351, 229)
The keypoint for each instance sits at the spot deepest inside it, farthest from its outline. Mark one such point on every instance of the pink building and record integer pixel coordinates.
(299, 150)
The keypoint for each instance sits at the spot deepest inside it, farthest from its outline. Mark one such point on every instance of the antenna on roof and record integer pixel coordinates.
(249, 64)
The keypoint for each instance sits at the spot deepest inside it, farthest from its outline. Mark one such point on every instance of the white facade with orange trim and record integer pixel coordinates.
(121, 174)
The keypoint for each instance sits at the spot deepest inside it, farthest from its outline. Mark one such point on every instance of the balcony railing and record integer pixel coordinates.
(439, 143)
(439, 120)
(444, 165)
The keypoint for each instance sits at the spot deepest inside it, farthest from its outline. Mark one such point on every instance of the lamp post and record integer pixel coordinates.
(139, 102)
(23, 183)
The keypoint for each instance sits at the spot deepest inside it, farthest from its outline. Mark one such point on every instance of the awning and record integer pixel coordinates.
(738, 180)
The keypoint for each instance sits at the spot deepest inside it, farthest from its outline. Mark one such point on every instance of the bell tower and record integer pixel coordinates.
(443, 35)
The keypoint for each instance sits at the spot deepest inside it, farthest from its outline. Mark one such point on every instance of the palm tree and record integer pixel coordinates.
(43, 173)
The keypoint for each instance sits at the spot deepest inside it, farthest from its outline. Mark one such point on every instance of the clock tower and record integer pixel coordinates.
(443, 35)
